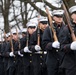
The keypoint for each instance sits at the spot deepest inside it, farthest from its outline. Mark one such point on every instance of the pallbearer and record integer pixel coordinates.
(69, 62)
(36, 47)
(53, 47)
(27, 54)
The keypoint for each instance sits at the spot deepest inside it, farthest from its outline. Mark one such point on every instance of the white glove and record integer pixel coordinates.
(37, 48)
(11, 54)
(26, 50)
(56, 44)
(73, 45)
(20, 54)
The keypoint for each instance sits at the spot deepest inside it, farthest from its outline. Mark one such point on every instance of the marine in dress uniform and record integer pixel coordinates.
(1, 59)
(3, 47)
(54, 53)
(39, 57)
(27, 54)
(12, 59)
(69, 62)
(24, 32)
(19, 56)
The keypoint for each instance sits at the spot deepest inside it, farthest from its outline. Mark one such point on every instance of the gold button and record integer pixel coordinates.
(41, 52)
(40, 56)
(14, 61)
(40, 63)
(30, 54)
(30, 61)
(56, 50)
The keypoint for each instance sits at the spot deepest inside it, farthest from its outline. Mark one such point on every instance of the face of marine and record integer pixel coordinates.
(57, 19)
(8, 38)
(15, 37)
(43, 26)
(31, 30)
(73, 16)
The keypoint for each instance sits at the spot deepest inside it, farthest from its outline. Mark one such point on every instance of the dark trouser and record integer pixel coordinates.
(27, 64)
(20, 68)
(40, 70)
(12, 70)
(61, 71)
(53, 66)
(5, 60)
(44, 65)
(1, 68)
(5, 69)
(37, 70)
(52, 71)
(39, 65)
(28, 69)
(71, 71)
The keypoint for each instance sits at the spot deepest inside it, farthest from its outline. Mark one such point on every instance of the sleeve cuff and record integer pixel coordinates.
(66, 48)
(49, 46)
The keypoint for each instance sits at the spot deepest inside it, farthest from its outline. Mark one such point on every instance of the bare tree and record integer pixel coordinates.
(6, 5)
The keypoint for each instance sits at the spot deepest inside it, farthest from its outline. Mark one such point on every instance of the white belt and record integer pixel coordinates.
(39, 52)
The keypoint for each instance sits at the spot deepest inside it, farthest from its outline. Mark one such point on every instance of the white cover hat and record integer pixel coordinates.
(58, 12)
(13, 31)
(24, 30)
(8, 34)
(43, 19)
(72, 9)
(31, 24)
